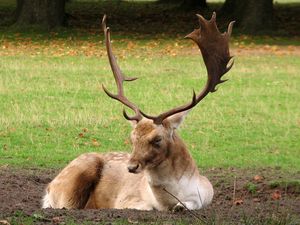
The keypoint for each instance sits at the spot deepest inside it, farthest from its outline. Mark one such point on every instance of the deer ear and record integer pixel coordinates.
(176, 119)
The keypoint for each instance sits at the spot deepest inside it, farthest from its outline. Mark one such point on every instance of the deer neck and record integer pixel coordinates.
(179, 163)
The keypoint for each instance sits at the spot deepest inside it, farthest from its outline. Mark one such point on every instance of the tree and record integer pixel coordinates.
(188, 4)
(251, 16)
(45, 13)
(194, 4)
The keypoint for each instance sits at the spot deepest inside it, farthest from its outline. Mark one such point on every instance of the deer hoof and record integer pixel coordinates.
(178, 208)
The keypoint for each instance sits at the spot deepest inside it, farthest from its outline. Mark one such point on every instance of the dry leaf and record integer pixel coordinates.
(258, 178)
(95, 143)
(132, 221)
(275, 48)
(4, 222)
(81, 135)
(256, 199)
(127, 142)
(276, 195)
(291, 48)
(238, 202)
(56, 219)
(130, 45)
(4, 166)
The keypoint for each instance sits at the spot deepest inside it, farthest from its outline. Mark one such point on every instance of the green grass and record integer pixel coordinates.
(46, 102)
(251, 188)
(40, 218)
(52, 107)
(50, 92)
(294, 185)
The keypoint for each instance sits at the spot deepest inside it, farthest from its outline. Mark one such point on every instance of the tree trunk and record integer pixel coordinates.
(194, 4)
(251, 16)
(45, 13)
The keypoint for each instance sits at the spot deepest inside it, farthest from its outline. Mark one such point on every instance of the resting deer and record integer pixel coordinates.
(160, 172)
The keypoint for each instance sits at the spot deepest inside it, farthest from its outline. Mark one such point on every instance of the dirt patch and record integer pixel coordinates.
(241, 196)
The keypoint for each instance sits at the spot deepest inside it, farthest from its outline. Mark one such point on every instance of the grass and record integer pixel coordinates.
(40, 218)
(47, 102)
(294, 185)
(53, 109)
(251, 188)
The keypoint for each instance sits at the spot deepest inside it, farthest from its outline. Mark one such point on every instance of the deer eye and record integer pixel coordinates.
(155, 142)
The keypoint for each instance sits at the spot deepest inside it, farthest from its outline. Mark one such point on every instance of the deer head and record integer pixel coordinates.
(153, 137)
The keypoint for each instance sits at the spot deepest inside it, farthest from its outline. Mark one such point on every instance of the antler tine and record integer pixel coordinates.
(119, 77)
(215, 52)
(229, 30)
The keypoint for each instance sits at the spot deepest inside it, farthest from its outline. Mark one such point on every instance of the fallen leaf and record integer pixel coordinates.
(130, 45)
(291, 48)
(127, 142)
(12, 129)
(258, 178)
(238, 202)
(276, 195)
(275, 48)
(266, 47)
(56, 219)
(4, 222)
(81, 135)
(95, 143)
(132, 221)
(85, 130)
(4, 166)
(256, 199)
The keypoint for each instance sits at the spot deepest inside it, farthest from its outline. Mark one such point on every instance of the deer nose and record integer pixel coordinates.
(132, 168)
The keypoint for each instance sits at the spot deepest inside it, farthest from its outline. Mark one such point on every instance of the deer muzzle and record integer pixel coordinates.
(134, 167)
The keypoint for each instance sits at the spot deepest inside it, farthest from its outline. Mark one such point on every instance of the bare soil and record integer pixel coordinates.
(241, 197)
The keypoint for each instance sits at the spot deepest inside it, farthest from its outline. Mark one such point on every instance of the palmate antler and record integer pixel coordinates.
(214, 47)
(119, 77)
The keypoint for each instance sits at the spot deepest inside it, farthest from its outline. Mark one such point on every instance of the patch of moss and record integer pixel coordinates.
(252, 188)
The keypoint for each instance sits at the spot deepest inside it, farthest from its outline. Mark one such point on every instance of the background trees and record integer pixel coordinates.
(46, 13)
(251, 16)
(192, 4)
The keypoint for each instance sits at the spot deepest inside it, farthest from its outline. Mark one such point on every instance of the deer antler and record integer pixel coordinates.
(119, 78)
(214, 47)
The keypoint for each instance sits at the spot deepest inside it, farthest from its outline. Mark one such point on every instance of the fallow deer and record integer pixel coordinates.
(160, 172)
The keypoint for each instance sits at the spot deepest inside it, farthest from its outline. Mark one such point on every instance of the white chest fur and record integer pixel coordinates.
(193, 191)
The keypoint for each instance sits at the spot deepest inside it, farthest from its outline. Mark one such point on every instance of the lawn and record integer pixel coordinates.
(53, 108)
